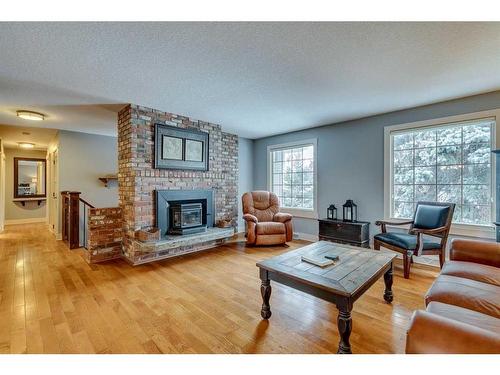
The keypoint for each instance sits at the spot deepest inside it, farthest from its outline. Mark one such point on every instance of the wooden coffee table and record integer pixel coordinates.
(342, 283)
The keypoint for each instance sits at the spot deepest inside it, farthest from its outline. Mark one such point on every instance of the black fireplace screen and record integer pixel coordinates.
(186, 215)
(186, 218)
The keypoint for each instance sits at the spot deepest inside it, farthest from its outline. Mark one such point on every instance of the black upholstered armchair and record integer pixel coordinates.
(430, 218)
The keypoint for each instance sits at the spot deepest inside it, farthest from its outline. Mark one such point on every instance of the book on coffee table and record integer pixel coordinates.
(317, 260)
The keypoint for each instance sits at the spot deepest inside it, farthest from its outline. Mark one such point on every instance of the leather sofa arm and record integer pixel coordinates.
(481, 252)
(433, 334)
(282, 217)
(250, 217)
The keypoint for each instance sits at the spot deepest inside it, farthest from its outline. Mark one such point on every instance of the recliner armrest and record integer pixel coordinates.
(250, 217)
(282, 217)
(481, 252)
(432, 334)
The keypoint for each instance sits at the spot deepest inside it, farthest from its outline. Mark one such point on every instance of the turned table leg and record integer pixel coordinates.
(388, 296)
(265, 291)
(344, 323)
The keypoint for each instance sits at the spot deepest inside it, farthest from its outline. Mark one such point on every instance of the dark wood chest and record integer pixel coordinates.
(353, 233)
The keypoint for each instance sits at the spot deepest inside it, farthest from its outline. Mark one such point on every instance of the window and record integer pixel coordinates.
(292, 175)
(449, 162)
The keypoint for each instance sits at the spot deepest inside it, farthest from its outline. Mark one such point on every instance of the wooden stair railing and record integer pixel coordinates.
(71, 218)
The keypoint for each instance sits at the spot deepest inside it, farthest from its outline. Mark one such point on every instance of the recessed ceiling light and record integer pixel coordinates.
(26, 144)
(30, 115)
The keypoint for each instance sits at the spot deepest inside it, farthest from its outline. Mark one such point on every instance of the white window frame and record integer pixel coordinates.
(298, 212)
(470, 230)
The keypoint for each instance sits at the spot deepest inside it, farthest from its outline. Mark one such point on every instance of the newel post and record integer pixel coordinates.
(71, 218)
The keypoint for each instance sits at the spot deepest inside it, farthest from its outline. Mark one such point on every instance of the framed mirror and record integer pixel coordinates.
(30, 178)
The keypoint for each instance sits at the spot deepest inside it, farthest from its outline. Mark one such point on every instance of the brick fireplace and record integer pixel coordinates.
(138, 181)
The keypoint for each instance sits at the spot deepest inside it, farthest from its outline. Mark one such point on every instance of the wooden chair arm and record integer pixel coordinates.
(420, 236)
(430, 231)
(382, 224)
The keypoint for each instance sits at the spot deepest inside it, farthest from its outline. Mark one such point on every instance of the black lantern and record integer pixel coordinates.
(350, 211)
(331, 212)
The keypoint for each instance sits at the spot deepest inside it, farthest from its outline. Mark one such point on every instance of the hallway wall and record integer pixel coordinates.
(83, 158)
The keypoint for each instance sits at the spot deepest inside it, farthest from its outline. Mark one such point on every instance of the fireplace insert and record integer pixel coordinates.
(186, 218)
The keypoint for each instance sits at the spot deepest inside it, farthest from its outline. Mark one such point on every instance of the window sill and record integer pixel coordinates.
(297, 212)
(466, 230)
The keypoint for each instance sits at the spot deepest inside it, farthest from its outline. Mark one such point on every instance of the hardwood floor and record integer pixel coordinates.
(52, 301)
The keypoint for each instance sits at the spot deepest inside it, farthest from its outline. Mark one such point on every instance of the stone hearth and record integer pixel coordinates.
(172, 246)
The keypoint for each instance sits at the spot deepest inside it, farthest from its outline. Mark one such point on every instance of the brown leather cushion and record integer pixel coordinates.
(473, 271)
(270, 227)
(470, 294)
(460, 314)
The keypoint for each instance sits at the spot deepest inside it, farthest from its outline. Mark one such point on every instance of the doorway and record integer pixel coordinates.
(52, 197)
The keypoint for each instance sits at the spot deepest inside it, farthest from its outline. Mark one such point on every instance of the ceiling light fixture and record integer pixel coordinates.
(30, 115)
(26, 145)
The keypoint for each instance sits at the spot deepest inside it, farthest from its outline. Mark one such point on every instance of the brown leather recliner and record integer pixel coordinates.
(266, 225)
(463, 304)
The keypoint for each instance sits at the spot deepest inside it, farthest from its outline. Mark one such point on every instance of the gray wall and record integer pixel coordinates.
(15, 210)
(83, 158)
(245, 177)
(351, 156)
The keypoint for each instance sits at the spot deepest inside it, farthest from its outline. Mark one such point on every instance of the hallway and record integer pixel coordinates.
(52, 301)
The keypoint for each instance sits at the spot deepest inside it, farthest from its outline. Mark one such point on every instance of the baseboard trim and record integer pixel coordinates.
(305, 236)
(25, 221)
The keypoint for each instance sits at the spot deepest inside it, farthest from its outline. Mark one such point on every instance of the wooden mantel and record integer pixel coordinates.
(106, 179)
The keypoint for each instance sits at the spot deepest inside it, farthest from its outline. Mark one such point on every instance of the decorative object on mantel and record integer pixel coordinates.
(350, 211)
(108, 178)
(331, 212)
(178, 148)
(225, 222)
(148, 234)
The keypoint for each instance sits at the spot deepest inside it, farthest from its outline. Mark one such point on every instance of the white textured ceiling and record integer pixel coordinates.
(255, 79)
(39, 135)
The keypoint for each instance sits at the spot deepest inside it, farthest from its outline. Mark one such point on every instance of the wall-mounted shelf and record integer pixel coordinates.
(107, 179)
(24, 200)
